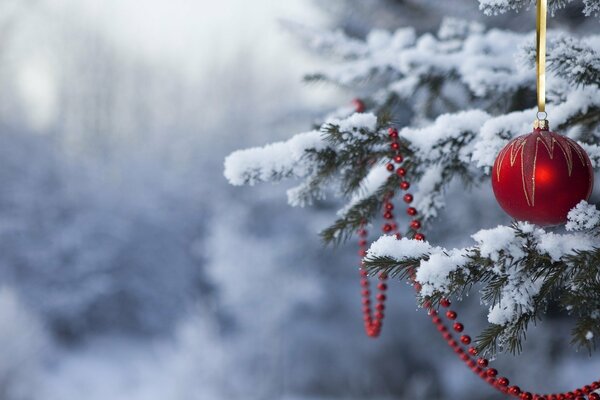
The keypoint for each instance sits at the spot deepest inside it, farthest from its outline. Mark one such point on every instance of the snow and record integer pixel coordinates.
(516, 299)
(583, 217)
(502, 238)
(273, 161)
(558, 245)
(433, 274)
(286, 159)
(430, 141)
(589, 335)
(389, 246)
(354, 122)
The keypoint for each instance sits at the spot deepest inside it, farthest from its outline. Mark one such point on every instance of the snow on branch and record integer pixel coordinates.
(288, 159)
(519, 266)
(592, 7)
(272, 162)
(575, 60)
(495, 7)
(583, 217)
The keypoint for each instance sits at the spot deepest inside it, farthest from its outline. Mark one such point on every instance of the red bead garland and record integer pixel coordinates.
(374, 322)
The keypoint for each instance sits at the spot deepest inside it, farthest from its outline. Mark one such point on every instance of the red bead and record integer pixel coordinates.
(445, 303)
(415, 224)
(587, 389)
(366, 302)
(418, 286)
(436, 320)
(389, 167)
(408, 198)
(447, 336)
(398, 236)
(381, 286)
(364, 283)
(452, 343)
(379, 315)
(442, 328)
(401, 172)
(388, 215)
(541, 183)
(451, 314)
(464, 357)
(395, 146)
(387, 228)
(363, 273)
(502, 381)
(594, 396)
(492, 372)
(362, 232)
(482, 362)
(514, 390)
(473, 351)
(411, 211)
(472, 364)
(465, 339)
(359, 105)
(389, 206)
(365, 292)
(381, 297)
(458, 327)
(393, 132)
(420, 236)
(526, 396)
(398, 159)
(383, 276)
(362, 242)
(362, 252)
(380, 307)
(404, 185)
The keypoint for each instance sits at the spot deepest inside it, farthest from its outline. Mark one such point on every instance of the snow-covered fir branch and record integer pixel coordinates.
(494, 7)
(519, 269)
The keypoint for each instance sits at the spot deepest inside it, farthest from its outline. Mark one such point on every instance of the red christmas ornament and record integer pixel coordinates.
(540, 176)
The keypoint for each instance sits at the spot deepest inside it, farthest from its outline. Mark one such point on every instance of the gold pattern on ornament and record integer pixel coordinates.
(550, 141)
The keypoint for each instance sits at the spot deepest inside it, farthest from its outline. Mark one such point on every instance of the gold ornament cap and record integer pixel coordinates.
(542, 124)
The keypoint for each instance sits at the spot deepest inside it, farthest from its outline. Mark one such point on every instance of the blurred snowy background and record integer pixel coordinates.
(130, 269)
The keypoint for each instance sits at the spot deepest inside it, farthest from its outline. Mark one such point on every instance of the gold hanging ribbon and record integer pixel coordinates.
(542, 14)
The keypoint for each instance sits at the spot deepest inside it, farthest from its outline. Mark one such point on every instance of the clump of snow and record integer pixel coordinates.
(557, 246)
(434, 274)
(583, 217)
(428, 140)
(517, 299)
(354, 122)
(589, 335)
(273, 161)
(502, 238)
(402, 249)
